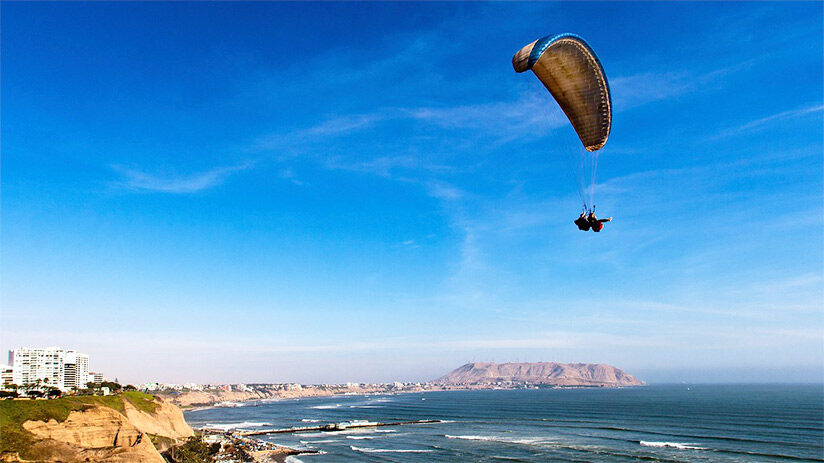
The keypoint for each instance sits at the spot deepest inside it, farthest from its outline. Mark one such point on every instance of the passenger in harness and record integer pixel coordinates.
(595, 223)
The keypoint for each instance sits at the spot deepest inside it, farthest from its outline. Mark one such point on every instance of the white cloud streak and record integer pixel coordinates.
(763, 122)
(137, 180)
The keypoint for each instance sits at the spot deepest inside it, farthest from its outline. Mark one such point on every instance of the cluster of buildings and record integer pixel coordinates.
(49, 367)
(156, 387)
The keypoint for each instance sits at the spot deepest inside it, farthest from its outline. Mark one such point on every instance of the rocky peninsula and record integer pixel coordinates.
(484, 375)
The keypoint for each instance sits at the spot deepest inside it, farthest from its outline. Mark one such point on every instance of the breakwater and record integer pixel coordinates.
(329, 427)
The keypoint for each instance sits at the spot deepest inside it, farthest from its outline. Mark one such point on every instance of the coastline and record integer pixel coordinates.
(201, 400)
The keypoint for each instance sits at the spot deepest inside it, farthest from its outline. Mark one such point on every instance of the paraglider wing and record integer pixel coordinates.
(569, 69)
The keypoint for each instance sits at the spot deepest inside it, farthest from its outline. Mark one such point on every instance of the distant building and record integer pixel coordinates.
(49, 367)
(95, 378)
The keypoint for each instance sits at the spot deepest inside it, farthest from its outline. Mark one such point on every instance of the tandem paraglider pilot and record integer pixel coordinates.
(587, 220)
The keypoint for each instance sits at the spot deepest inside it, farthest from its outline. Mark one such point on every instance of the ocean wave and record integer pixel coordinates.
(368, 450)
(525, 441)
(243, 424)
(307, 420)
(384, 430)
(470, 437)
(322, 441)
(355, 431)
(672, 445)
(365, 406)
(325, 407)
(359, 437)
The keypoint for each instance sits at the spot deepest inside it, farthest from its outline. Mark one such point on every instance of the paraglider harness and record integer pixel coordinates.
(587, 220)
(583, 221)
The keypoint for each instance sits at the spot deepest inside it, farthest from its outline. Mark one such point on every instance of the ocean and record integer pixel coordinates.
(667, 423)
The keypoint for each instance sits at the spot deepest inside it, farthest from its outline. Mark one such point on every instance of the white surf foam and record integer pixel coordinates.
(359, 437)
(292, 459)
(672, 445)
(325, 407)
(526, 441)
(307, 420)
(368, 450)
(489, 438)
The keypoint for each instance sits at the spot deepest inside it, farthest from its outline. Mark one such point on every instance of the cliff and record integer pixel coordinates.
(114, 429)
(542, 373)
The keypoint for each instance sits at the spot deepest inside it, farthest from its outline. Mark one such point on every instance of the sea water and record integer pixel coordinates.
(669, 423)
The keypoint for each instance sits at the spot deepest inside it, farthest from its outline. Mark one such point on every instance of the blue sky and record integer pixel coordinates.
(240, 192)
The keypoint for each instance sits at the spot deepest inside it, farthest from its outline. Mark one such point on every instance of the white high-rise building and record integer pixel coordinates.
(75, 370)
(32, 364)
(53, 366)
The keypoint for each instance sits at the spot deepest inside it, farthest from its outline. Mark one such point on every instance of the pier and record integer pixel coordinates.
(331, 427)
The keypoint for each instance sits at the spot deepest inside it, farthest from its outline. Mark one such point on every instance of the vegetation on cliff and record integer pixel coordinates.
(194, 450)
(13, 413)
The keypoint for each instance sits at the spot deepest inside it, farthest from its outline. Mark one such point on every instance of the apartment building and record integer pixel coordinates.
(49, 367)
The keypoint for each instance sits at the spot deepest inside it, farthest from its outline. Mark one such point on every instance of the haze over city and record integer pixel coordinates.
(190, 194)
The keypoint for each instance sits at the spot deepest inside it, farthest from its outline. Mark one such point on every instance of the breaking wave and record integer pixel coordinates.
(526, 441)
(671, 445)
(368, 450)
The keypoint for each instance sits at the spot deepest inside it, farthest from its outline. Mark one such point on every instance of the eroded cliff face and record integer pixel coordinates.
(102, 434)
(167, 421)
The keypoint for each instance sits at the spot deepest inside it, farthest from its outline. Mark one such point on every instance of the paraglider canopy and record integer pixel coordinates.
(569, 69)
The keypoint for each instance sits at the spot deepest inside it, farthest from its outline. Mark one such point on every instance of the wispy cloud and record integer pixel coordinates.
(138, 180)
(763, 122)
(288, 174)
(639, 89)
(345, 124)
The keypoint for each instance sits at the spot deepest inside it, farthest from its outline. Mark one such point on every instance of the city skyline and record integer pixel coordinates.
(310, 193)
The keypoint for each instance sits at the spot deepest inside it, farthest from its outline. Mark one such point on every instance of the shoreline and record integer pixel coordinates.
(249, 402)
